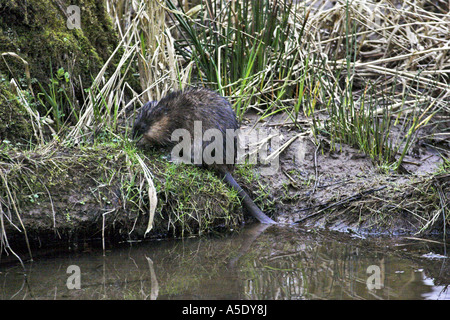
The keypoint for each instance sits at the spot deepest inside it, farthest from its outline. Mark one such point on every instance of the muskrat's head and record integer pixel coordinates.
(141, 124)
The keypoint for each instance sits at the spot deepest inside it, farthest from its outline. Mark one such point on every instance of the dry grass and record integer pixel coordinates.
(366, 66)
(402, 44)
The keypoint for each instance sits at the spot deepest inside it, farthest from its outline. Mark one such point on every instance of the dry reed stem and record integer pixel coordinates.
(394, 39)
(153, 200)
(144, 37)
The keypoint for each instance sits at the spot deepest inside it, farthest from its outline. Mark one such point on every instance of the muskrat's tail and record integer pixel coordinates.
(248, 202)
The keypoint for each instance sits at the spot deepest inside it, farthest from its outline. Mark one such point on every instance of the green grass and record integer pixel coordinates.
(251, 62)
(365, 121)
(56, 100)
(268, 63)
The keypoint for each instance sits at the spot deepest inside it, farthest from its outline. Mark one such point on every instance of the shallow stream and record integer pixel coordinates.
(252, 263)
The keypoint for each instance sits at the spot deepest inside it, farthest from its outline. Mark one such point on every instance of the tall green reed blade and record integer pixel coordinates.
(231, 55)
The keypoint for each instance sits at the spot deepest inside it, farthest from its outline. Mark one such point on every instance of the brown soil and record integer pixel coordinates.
(343, 190)
(78, 194)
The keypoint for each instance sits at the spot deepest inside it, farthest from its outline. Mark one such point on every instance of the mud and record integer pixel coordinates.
(342, 189)
(72, 195)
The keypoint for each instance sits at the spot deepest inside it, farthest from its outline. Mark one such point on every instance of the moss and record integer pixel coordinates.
(14, 121)
(85, 189)
(37, 31)
(195, 194)
(249, 179)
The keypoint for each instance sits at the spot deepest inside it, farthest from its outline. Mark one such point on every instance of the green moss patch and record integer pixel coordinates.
(14, 121)
(37, 31)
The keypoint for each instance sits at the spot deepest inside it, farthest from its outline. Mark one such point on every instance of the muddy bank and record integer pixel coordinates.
(76, 194)
(343, 190)
(98, 191)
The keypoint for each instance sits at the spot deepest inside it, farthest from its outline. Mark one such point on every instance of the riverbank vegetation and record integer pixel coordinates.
(371, 76)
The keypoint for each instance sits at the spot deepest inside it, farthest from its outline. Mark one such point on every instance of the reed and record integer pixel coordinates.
(292, 56)
(250, 62)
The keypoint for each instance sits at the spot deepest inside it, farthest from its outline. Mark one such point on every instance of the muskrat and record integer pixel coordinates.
(179, 110)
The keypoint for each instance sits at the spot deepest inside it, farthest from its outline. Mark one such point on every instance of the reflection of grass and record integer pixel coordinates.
(180, 284)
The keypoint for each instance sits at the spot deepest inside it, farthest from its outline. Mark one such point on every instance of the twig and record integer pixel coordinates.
(348, 199)
(315, 169)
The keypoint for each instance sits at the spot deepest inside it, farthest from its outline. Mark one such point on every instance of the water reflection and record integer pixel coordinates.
(258, 262)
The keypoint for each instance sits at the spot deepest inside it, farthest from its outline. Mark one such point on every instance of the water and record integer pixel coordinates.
(276, 263)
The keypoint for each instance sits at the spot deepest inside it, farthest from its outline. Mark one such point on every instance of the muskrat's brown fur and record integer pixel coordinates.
(159, 119)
